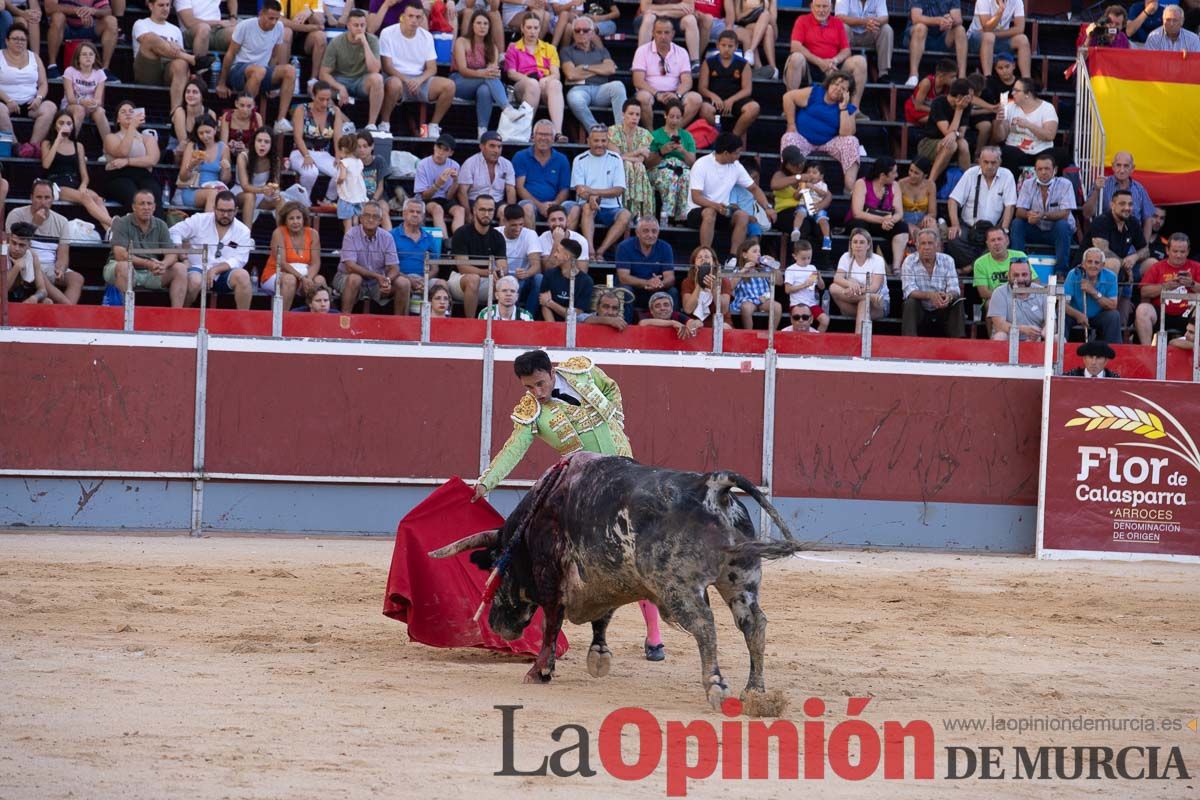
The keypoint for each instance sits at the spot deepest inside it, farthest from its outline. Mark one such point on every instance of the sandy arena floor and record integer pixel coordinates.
(164, 667)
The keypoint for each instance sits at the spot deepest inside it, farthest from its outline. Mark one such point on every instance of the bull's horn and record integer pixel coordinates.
(481, 539)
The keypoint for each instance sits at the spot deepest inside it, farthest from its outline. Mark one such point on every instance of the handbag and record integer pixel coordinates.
(751, 18)
(977, 233)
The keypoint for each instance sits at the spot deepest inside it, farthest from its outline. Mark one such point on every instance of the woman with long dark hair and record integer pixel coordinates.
(131, 156)
(257, 173)
(65, 164)
(476, 70)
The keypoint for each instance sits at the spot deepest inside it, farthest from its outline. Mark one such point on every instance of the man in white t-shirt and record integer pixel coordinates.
(204, 28)
(524, 252)
(410, 67)
(258, 57)
(556, 219)
(713, 179)
(998, 26)
(23, 265)
(158, 55)
(62, 284)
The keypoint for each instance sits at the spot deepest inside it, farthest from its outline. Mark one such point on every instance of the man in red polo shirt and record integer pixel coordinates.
(1175, 272)
(820, 45)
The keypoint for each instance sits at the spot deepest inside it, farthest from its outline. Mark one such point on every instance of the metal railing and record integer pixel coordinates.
(1089, 130)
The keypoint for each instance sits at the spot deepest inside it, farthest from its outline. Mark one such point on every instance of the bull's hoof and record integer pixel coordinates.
(599, 661)
(717, 693)
(536, 676)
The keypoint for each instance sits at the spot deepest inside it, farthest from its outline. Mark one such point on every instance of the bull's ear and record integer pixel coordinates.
(481, 539)
(485, 559)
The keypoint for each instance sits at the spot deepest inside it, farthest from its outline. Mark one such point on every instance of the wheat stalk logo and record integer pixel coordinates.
(1145, 424)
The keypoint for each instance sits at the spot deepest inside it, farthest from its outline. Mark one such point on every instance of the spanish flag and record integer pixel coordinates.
(1150, 105)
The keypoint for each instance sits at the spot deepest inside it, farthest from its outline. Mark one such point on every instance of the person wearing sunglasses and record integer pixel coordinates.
(802, 321)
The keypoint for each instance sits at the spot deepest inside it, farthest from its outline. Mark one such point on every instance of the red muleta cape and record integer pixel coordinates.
(438, 597)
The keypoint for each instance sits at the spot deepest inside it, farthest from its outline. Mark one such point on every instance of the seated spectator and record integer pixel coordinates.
(1187, 341)
(645, 265)
(479, 242)
(985, 196)
(369, 266)
(299, 270)
(1028, 127)
(820, 47)
(65, 164)
(543, 177)
(989, 104)
(661, 71)
(555, 298)
(159, 57)
(672, 153)
(801, 195)
(515, 13)
(588, 72)
(131, 155)
(1090, 292)
(875, 206)
(932, 299)
(205, 28)
(1145, 17)
(990, 270)
(918, 195)
(859, 287)
(999, 27)
(727, 84)
(1120, 179)
(1157, 241)
(608, 311)
(83, 89)
(631, 142)
(228, 243)
(437, 182)
(413, 245)
(756, 24)
(755, 292)
(410, 62)
(139, 230)
(1171, 37)
(315, 126)
(523, 251)
(821, 118)
(603, 14)
(487, 173)
(558, 231)
(1096, 356)
(23, 89)
(945, 135)
(92, 20)
(307, 19)
(713, 17)
(919, 103)
(867, 25)
(937, 25)
(24, 279)
(376, 170)
(1176, 272)
(439, 300)
(475, 70)
(598, 176)
(204, 170)
(1044, 213)
(712, 180)
(663, 315)
(184, 116)
(62, 284)
(1027, 313)
(1119, 234)
(802, 320)
(505, 307)
(803, 283)
(1108, 31)
(351, 66)
(533, 66)
(257, 59)
(650, 12)
(386, 13)
(319, 301)
(239, 123)
(697, 298)
(27, 13)
(257, 173)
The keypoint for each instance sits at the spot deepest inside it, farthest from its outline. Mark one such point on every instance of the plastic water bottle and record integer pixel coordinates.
(296, 67)
(216, 71)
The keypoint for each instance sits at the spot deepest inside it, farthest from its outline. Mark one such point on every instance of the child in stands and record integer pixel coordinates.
(351, 188)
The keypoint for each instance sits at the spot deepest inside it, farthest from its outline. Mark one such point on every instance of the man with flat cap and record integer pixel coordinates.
(1096, 356)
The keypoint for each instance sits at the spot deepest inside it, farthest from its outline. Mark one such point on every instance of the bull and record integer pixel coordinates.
(598, 532)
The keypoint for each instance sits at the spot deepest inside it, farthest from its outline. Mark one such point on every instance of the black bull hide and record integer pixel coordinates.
(598, 532)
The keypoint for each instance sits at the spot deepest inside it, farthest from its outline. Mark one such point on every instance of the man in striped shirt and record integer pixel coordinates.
(1172, 36)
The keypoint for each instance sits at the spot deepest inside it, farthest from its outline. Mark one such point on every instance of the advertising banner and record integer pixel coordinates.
(1122, 470)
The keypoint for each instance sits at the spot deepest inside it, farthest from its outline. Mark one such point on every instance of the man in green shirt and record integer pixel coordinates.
(991, 268)
(572, 407)
(352, 67)
(141, 230)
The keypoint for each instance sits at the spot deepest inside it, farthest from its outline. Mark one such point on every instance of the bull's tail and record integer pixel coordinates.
(722, 482)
